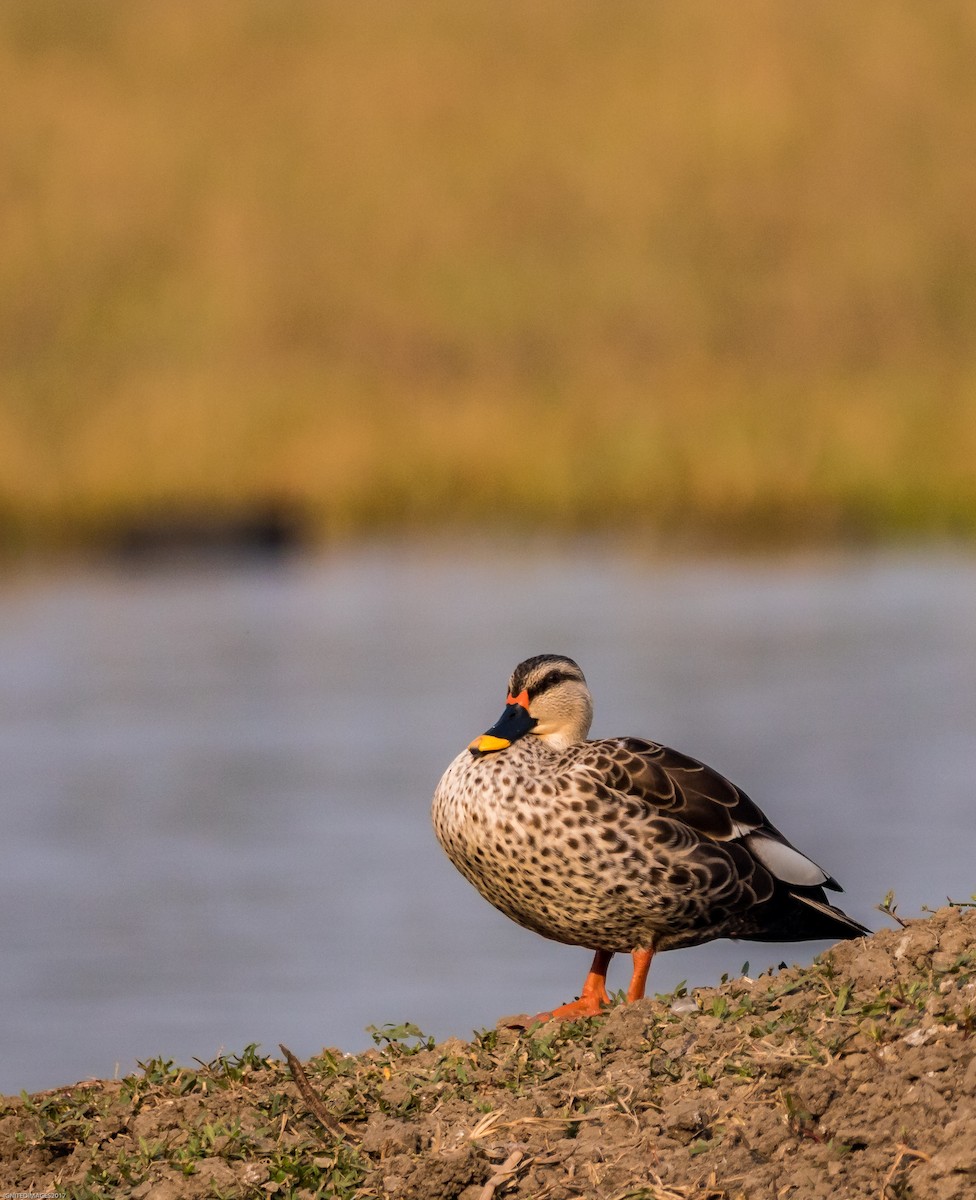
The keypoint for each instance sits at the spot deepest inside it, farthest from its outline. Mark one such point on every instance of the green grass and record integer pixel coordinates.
(812, 1066)
(708, 269)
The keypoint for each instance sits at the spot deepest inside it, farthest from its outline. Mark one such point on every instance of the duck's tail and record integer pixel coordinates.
(809, 919)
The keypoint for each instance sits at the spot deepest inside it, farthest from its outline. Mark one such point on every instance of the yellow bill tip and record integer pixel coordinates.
(487, 743)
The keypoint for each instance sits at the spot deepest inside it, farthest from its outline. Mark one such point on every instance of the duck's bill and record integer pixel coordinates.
(514, 723)
(486, 744)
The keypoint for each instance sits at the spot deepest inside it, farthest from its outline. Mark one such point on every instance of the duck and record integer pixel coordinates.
(617, 845)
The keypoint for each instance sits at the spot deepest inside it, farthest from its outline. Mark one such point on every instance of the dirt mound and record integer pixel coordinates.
(855, 1077)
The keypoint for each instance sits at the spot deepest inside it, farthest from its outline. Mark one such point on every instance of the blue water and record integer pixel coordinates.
(216, 782)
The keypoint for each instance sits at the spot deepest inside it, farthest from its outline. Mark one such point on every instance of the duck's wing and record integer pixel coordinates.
(670, 784)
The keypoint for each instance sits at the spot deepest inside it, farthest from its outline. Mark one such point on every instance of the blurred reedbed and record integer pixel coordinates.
(705, 268)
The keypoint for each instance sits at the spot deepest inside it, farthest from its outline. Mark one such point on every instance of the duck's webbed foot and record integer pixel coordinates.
(593, 999)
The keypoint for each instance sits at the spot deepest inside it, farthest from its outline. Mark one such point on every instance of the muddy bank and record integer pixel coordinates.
(855, 1077)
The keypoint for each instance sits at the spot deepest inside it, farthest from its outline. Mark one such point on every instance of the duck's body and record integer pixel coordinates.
(619, 844)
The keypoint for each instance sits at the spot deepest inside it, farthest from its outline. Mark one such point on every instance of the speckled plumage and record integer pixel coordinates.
(617, 844)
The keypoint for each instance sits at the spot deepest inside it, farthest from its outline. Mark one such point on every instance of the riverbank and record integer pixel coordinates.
(854, 1077)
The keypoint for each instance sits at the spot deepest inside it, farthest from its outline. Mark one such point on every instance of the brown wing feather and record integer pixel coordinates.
(672, 784)
(728, 872)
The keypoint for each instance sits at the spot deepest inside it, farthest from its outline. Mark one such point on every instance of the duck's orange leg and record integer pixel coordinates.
(638, 981)
(593, 997)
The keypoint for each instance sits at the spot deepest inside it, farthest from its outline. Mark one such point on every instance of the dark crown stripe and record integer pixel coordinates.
(531, 675)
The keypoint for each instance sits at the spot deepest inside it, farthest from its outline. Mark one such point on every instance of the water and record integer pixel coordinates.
(216, 783)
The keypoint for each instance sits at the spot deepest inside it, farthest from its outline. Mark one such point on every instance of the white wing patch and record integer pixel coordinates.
(786, 864)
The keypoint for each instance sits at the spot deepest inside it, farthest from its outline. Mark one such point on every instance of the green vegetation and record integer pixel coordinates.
(852, 1077)
(707, 269)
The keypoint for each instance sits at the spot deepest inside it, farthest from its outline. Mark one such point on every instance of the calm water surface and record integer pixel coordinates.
(216, 783)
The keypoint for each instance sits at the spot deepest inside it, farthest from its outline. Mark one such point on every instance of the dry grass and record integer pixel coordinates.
(702, 266)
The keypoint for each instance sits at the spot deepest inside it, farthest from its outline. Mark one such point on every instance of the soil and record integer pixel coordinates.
(855, 1077)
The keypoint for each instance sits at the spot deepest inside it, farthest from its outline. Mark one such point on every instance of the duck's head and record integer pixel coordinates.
(547, 698)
